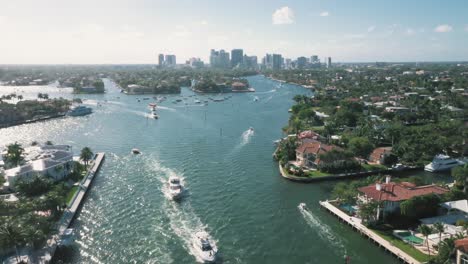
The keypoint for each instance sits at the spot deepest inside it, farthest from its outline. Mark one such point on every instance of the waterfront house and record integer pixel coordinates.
(462, 250)
(307, 154)
(54, 161)
(378, 155)
(391, 194)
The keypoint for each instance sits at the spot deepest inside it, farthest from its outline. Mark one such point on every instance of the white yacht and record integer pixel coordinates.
(80, 110)
(205, 248)
(175, 187)
(442, 163)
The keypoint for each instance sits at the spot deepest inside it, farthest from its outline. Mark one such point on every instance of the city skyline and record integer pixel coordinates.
(134, 32)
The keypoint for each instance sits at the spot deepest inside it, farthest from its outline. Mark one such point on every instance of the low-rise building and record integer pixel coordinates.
(378, 155)
(54, 161)
(307, 154)
(391, 194)
(462, 250)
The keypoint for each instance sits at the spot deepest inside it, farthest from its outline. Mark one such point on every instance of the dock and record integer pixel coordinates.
(356, 224)
(46, 254)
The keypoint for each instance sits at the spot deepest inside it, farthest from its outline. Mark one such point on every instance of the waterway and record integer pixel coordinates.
(234, 189)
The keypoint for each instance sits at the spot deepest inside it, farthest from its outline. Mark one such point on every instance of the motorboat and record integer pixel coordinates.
(153, 115)
(442, 162)
(80, 110)
(175, 187)
(136, 151)
(398, 167)
(303, 206)
(205, 248)
(251, 129)
(255, 99)
(197, 101)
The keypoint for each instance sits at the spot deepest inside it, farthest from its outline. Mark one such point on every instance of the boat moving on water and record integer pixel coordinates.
(136, 151)
(443, 163)
(302, 206)
(80, 110)
(175, 187)
(205, 248)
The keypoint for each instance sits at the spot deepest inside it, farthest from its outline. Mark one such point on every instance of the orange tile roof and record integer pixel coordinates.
(462, 244)
(399, 191)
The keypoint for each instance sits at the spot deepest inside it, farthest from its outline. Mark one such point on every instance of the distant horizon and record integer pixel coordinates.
(135, 32)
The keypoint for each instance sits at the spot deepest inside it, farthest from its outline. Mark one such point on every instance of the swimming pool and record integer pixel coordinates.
(408, 237)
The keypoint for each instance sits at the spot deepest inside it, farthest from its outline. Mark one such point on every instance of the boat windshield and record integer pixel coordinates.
(175, 187)
(206, 247)
(175, 181)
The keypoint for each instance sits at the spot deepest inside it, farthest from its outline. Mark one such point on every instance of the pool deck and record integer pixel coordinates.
(46, 254)
(356, 224)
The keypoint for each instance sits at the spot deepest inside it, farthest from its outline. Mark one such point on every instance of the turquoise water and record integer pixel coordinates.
(234, 189)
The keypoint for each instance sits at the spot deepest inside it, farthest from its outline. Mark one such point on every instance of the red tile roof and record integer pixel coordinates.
(378, 152)
(315, 147)
(308, 134)
(462, 244)
(399, 191)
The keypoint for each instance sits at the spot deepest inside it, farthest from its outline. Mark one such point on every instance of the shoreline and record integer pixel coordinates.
(32, 120)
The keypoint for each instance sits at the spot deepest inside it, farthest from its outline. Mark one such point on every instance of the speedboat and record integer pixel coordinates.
(303, 206)
(205, 248)
(80, 110)
(251, 129)
(154, 115)
(175, 187)
(197, 101)
(255, 99)
(442, 163)
(136, 151)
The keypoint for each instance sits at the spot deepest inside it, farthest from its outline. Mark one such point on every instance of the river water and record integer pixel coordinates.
(234, 189)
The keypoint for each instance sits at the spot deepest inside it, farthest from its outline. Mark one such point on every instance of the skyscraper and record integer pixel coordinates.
(329, 62)
(301, 62)
(161, 60)
(170, 60)
(277, 61)
(314, 59)
(237, 56)
(219, 59)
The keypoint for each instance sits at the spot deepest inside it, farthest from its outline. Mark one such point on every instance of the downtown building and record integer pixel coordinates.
(219, 59)
(237, 58)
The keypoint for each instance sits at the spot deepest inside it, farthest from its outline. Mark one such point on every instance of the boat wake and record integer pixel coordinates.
(183, 220)
(267, 92)
(246, 136)
(323, 230)
(166, 108)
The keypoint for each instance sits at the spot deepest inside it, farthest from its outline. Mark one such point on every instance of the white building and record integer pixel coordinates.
(54, 161)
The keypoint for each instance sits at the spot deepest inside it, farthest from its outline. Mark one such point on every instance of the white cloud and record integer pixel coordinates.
(283, 15)
(324, 14)
(443, 28)
(371, 29)
(204, 22)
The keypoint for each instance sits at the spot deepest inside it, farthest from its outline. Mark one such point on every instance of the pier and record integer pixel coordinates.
(46, 254)
(356, 224)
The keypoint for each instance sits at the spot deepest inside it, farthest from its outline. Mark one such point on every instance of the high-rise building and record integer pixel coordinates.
(277, 61)
(301, 62)
(170, 60)
(161, 59)
(250, 62)
(314, 59)
(195, 63)
(237, 57)
(219, 59)
(288, 64)
(329, 62)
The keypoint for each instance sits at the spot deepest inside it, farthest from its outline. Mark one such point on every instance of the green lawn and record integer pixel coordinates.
(410, 250)
(71, 193)
(369, 167)
(314, 174)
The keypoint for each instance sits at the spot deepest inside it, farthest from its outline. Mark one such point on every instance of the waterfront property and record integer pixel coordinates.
(391, 194)
(379, 155)
(307, 154)
(461, 245)
(53, 161)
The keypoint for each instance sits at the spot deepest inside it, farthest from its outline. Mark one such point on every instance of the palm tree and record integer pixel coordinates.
(86, 155)
(425, 230)
(11, 235)
(14, 153)
(439, 228)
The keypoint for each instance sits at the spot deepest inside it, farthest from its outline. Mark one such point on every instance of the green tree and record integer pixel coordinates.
(425, 230)
(11, 235)
(86, 155)
(15, 154)
(439, 228)
(460, 174)
(360, 146)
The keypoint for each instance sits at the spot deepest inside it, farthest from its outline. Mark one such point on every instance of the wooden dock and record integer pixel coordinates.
(358, 226)
(46, 254)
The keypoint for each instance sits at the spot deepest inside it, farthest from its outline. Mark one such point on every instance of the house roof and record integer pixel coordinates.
(314, 147)
(399, 191)
(308, 134)
(460, 205)
(462, 244)
(378, 152)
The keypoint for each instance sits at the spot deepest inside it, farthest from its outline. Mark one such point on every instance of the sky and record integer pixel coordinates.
(135, 31)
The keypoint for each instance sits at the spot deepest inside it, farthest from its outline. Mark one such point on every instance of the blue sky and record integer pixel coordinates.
(125, 31)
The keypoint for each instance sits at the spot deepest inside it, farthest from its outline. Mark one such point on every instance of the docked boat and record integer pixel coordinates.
(442, 163)
(205, 248)
(175, 187)
(80, 110)
(136, 151)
